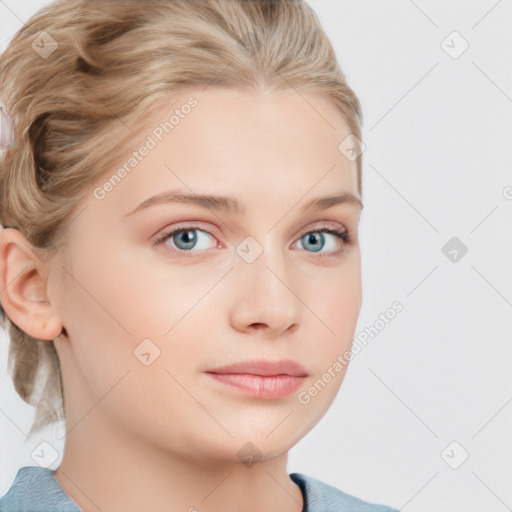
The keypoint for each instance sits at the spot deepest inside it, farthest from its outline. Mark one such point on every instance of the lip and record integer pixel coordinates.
(265, 368)
(261, 379)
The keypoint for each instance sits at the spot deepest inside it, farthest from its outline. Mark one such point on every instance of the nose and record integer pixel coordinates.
(265, 299)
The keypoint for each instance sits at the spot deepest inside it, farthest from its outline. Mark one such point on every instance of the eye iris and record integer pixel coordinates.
(189, 240)
(313, 237)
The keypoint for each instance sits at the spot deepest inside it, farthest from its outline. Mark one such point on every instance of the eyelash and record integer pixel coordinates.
(343, 235)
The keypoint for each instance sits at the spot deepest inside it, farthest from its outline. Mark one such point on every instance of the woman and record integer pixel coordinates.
(179, 252)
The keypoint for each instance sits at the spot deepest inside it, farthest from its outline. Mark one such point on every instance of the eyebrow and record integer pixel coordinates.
(230, 204)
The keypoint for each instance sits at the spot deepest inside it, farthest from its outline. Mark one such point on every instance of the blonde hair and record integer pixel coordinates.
(109, 65)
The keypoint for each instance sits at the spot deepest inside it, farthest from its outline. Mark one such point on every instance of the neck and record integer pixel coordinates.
(103, 469)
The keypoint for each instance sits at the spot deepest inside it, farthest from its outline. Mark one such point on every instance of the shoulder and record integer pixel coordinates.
(322, 497)
(35, 489)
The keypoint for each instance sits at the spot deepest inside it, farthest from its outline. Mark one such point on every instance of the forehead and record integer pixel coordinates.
(233, 135)
(285, 114)
(268, 150)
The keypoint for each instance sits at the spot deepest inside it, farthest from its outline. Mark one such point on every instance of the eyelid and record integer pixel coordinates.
(318, 225)
(184, 225)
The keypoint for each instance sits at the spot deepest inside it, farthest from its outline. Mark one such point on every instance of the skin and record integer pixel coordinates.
(166, 436)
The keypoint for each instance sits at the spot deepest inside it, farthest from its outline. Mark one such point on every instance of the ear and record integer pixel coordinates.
(23, 284)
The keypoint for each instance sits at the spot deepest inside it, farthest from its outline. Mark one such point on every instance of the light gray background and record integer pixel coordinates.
(437, 165)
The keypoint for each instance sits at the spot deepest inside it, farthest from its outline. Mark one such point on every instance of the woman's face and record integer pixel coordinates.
(147, 322)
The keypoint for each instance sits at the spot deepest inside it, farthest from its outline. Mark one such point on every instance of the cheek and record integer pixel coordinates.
(336, 299)
(157, 294)
(338, 308)
(97, 311)
(116, 297)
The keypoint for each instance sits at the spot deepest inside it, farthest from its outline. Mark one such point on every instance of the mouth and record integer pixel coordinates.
(261, 379)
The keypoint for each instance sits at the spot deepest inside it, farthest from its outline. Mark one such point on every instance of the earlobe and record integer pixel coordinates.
(23, 283)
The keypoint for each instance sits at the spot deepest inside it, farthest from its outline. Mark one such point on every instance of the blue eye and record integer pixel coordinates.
(185, 238)
(316, 239)
(188, 238)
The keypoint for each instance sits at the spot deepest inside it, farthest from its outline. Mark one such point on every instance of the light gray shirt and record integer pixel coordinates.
(35, 489)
